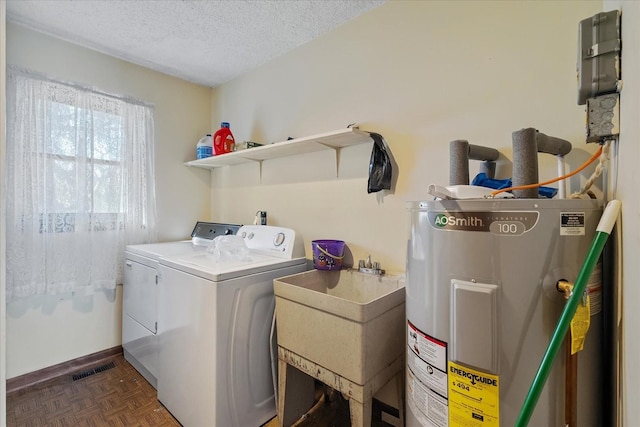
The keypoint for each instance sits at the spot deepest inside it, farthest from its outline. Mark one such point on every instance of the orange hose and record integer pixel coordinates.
(551, 181)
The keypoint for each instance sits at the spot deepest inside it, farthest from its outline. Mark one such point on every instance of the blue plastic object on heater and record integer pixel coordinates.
(482, 180)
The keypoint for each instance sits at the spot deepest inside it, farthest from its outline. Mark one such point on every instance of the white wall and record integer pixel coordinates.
(3, 329)
(44, 333)
(421, 74)
(628, 184)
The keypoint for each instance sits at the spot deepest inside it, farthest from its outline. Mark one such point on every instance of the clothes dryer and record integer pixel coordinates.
(139, 305)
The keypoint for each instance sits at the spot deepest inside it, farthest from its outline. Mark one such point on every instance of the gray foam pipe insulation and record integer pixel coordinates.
(460, 152)
(527, 143)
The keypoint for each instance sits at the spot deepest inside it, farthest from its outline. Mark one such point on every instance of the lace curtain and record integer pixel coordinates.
(80, 186)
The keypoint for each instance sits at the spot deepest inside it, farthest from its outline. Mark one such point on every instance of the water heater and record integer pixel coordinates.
(482, 303)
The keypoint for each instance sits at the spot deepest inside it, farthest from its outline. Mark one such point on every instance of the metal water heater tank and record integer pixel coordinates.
(482, 305)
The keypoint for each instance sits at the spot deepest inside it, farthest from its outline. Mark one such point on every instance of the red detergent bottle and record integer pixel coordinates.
(223, 140)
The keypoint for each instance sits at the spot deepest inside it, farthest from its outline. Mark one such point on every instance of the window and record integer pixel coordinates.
(80, 185)
(66, 157)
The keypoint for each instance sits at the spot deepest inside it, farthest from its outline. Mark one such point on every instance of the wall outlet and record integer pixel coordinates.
(603, 117)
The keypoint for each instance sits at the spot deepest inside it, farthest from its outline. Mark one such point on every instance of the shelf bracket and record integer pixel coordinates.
(259, 161)
(337, 153)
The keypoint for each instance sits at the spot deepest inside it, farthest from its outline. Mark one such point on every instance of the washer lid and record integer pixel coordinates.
(204, 265)
(203, 233)
(157, 250)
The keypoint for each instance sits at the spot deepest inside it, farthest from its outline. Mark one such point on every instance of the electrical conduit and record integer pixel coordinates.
(603, 231)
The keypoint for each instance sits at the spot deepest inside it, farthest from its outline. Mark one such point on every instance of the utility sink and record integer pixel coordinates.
(348, 322)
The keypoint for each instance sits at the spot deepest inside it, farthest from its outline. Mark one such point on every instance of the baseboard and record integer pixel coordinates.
(45, 374)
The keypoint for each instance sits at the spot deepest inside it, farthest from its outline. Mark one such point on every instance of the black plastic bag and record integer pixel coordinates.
(380, 169)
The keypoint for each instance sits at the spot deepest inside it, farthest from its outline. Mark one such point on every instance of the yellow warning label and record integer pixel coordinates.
(580, 325)
(474, 397)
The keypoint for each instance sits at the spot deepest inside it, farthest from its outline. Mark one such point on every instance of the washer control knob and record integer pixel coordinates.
(244, 234)
(250, 236)
(279, 239)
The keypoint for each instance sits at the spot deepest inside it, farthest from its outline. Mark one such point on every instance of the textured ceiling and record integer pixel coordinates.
(207, 41)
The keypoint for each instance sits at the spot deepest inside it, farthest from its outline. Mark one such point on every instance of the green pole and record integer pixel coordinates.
(602, 234)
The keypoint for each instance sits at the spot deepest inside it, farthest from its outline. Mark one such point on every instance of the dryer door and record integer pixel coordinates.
(139, 294)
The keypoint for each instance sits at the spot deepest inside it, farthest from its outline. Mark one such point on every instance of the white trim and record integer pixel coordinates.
(3, 323)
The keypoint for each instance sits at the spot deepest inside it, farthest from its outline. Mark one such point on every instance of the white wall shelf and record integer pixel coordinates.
(325, 141)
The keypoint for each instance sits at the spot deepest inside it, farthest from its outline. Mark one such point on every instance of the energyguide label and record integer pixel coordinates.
(442, 393)
(474, 397)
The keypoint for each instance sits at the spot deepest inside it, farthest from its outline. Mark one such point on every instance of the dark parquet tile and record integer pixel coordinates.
(121, 397)
(118, 397)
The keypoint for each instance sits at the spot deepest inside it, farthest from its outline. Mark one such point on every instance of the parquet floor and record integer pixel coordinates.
(115, 397)
(121, 397)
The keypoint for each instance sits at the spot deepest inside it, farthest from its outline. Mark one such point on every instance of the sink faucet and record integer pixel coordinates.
(369, 267)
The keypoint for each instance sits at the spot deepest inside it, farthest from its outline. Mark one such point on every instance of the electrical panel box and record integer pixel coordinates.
(599, 55)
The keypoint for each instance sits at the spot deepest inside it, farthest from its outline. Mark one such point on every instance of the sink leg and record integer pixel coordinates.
(296, 393)
(360, 413)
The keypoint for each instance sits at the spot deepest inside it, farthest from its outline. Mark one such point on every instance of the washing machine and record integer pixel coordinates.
(139, 306)
(214, 330)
